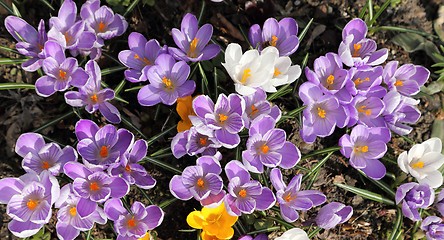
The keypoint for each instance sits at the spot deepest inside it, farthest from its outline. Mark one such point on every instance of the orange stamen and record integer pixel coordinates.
(128, 168)
(254, 110)
(243, 193)
(168, 83)
(265, 148)
(200, 182)
(131, 222)
(365, 110)
(222, 117)
(94, 186)
(276, 72)
(45, 165)
(104, 151)
(419, 164)
(245, 75)
(321, 112)
(289, 197)
(203, 141)
(73, 211)
(94, 98)
(193, 46)
(32, 204)
(62, 74)
(330, 79)
(362, 149)
(274, 40)
(356, 48)
(399, 83)
(101, 26)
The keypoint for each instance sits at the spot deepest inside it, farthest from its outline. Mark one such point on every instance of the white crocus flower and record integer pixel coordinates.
(250, 70)
(294, 234)
(283, 72)
(423, 161)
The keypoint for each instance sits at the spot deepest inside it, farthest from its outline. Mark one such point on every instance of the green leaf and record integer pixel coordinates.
(366, 194)
(149, 2)
(110, 70)
(166, 203)
(438, 130)
(398, 225)
(131, 7)
(379, 12)
(162, 164)
(434, 87)
(263, 223)
(6, 6)
(410, 42)
(16, 11)
(12, 61)
(10, 86)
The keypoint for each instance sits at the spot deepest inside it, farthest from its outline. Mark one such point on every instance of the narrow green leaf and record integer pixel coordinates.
(381, 184)
(131, 7)
(398, 225)
(366, 194)
(48, 4)
(161, 164)
(322, 151)
(155, 137)
(8, 49)
(370, 9)
(216, 82)
(16, 11)
(379, 12)
(363, 11)
(54, 121)
(402, 30)
(438, 130)
(282, 222)
(10, 86)
(146, 195)
(314, 232)
(317, 166)
(119, 87)
(304, 32)
(202, 10)
(12, 61)
(6, 6)
(161, 151)
(110, 70)
(133, 88)
(166, 203)
(204, 83)
(129, 124)
(291, 114)
(265, 230)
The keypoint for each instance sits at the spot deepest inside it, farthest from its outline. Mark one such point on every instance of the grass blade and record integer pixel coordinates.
(133, 88)
(317, 166)
(12, 61)
(110, 70)
(370, 9)
(304, 32)
(163, 165)
(155, 137)
(265, 230)
(322, 151)
(398, 225)
(6, 6)
(366, 194)
(131, 7)
(314, 232)
(119, 87)
(47, 4)
(379, 12)
(10, 86)
(8, 49)
(204, 79)
(16, 11)
(381, 184)
(129, 124)
(54, 121)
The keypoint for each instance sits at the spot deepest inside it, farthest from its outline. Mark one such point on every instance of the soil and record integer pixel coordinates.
(23, 111)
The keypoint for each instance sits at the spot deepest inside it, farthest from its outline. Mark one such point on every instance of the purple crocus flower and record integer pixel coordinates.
(290, 198)
(168, 81)
(365, 110)
(192, 142)
(193, 41)
(333, 214)
(93, 97)
(267, 146)
(365, 79)
(414, 196)
(365, 146)
(30, 42)
(61, 72)
(129, 169)
(282, 35)
(261, 236)
(100, 147)
(434, 227)
(407, 79)
(93, 187)
(440, 203)
(140, 57)
(39, 156)
(223, 118)
(134, 225)
(199, 181)
(245, 195)
(356, 50)
(256, 104)
(69, 223)
(29, 198)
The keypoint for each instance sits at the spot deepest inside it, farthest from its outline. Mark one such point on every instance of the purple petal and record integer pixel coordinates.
(23, 229)
(178, 190)
(29, 142)
(290, 155)
(265, 200)
(276, 179)
(289, 214)
(235, 169)
(375, 169)
(119, 187)
(154, 216)
(85, 207)
(110, 112)
(114, 209)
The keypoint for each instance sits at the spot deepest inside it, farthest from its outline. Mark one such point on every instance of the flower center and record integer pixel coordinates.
(193, 46)
(101, 26)
(254, 110)
(243, 193)
(265, 148)
(356, 48)
(46, 165)
(203, 141)
(419, 164)
(32, 204)
(68, 37)
(222, 117)
(288, 197)
(168, 83)
(359, 80)
(131, 222)
(62, 74)
(274, 40)
(200, 183)
(128, 168)
(104, 151)
(321, 112)
(144, 60)
(330, 79)
(94, 186)
(276, 72)
(94, 98)
(365, 110)
(245, 75)
(399, 83)
(362, 149)
(73, 211)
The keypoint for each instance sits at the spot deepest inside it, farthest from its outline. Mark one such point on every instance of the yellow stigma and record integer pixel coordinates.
(131, 222)
(104, 151)
(276, 72)
(321, 112)
(365, 110)
(330, 79)
(94, 186)
(419, 164)
(274, 40)
(32, 204)
(254, 110)
(362, 149)
(200, 183)
(128, 168)
(144, 60)
(243, 193)
(73, 211)
(222, 117)
(168, 83)
(62, 74)
(245, 75)
(46, 165)
(203, 141)
(264, 148)
(356, 48)
(94, 98)
(193, 46)
(399, 83)
(101, 26)
(359, 81)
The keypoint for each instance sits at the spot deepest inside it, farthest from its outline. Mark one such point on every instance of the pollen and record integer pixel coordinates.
(193, 46)
(254, 110)
(222, 117)
(289, 197)
(168, 83)
(362, 149)
(203, 141)
(131, 222)
(94, 98)
(144, 60)
(419, 164)
(101, 26)
(104, 152)
(62, 74)
(265, 148)
(276, 72)
(46, 165)
(399, 83)
(321, 113)
(356, 48)
(359, 80)
(32, 204)
(330, 79)
(274, 40)
(242, 193)
(128, 168)
(365, 110)
(94, 186)
(68, 37)
(200, 183)
(245, 75)
(73, 211)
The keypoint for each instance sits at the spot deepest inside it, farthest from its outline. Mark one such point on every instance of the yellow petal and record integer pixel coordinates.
(206, 236)
(195, 219)
(228, 219)
(225, 233)
(183, 126)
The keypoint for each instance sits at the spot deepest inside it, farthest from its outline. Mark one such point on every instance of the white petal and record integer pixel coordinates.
(433, 179)
(403, 162)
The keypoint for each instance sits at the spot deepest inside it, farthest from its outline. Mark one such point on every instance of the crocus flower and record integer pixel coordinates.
(140, 57)
(407, 79)
(30, 42)
(365, 109)
(282, 35)
(284, 72)
(129, 169)
(192, 142)
(168, 81)
(245, 195)
(434, 228)
(423, 162)
(440, 202)
(135, 224)
(249, 70)
(184, 108)
(293, 234)
(101, 147)
(224, 118)
(413, 197)
(365, 79)
(267, 146)
(214, 222)
(256, 105)
(198, 181)
(261, 236)
(290, 198)
(39, 156)
(29, 198)
(69, 223)
(356, 50)
(193, 41)
(93, 187)
(333, 214)
(93, 97)
(365, 146)
(61, 72)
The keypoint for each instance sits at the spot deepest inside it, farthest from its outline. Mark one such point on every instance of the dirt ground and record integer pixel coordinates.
(23, 111)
